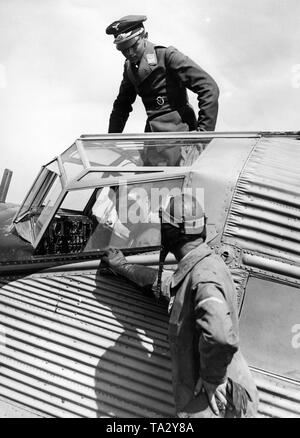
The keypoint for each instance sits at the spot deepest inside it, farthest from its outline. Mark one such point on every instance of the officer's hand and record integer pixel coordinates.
(216, 394)
(114, 258)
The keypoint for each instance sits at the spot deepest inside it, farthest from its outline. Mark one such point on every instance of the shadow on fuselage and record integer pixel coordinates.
(132, 378)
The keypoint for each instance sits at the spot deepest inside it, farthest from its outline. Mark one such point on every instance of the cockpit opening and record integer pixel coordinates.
(88, 162)
(121, 216)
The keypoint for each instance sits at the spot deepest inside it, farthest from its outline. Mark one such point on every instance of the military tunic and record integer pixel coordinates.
(203, 331)
(161, 80)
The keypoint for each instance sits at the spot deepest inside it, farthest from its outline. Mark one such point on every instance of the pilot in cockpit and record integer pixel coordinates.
(124, 219)
(106, 214)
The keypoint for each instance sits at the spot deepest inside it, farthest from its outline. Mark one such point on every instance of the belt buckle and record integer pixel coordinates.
(160, 100)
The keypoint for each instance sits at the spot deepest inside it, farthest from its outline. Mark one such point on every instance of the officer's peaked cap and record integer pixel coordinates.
(126, 30)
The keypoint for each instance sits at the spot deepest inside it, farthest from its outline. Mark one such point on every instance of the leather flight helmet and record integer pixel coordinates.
(185, 212)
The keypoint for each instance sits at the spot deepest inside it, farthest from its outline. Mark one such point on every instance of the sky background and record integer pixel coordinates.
(60, 72)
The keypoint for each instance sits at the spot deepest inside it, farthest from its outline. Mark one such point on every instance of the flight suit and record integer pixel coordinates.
(161, 80)
(203, 332)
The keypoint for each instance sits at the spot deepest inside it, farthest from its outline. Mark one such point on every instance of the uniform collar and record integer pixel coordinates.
(147, 64)
(187, 263)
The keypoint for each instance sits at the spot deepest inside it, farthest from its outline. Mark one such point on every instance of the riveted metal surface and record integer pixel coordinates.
(240, 277)
(83, 346)
(265, 211)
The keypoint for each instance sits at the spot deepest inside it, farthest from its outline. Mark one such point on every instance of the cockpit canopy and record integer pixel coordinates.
(82, 189)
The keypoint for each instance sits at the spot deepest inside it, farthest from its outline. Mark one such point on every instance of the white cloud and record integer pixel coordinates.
(295, 80)
(60, 72)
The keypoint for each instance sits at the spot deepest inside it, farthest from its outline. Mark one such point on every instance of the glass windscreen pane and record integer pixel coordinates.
(46, 199)
(124, 217)
(72, 162)
(39, 203)
(33, 192)
(76, 201)
(143, 153)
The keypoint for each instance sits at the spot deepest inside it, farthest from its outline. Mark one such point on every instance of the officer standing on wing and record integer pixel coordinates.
(160, 76)
(210, 375)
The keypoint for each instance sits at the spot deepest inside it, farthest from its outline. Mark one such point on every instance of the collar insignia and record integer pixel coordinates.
(151, 58)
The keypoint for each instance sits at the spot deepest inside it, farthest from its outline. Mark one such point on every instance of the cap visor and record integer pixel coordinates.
(126, 44)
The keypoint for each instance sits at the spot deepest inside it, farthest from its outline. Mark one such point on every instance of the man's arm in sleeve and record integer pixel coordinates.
(143, 276)
(218, 340)
(197, 80)
(122, 105)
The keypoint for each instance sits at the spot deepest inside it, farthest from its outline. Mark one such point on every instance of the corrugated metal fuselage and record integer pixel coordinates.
(84, 344)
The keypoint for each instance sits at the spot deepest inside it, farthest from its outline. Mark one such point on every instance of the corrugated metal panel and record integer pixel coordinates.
(277, 397)
(81, 345)
(10, 409)
(265, 211)
(84, 346)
